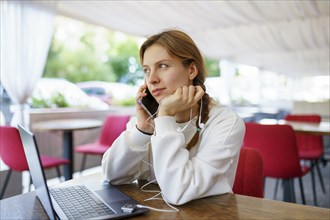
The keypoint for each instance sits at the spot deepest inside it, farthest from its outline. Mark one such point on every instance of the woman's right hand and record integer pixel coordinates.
(144, 121)
(182, 99)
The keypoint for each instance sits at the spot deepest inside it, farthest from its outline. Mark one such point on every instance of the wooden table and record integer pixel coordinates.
(227, 206)
(68, 126)
(322, 128)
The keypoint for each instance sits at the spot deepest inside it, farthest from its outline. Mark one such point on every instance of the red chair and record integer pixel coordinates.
(249, 178)
(310, 147)
(12, 154)
(113, 126)
(278, 148)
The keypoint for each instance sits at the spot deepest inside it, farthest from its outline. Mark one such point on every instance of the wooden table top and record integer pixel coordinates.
(322, 128)
(227, 206)
(66, 125)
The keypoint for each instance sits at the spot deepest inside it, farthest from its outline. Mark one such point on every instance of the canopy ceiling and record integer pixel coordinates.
(287, 37)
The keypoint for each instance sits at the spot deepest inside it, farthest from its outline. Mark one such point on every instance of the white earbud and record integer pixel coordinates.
(200, 123)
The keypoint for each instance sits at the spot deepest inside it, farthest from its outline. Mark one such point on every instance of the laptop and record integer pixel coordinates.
(99, 201)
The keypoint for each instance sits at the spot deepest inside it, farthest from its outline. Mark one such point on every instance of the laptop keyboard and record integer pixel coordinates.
(78, 202)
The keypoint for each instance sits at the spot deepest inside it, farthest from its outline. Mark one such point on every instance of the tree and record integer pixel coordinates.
(123, 58)
(91, 53)
(78, 64)
(212, 66)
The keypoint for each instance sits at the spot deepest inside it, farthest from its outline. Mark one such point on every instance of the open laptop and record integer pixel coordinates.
(110, 201)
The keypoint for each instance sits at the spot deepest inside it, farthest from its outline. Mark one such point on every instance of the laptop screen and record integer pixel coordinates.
(36, 171)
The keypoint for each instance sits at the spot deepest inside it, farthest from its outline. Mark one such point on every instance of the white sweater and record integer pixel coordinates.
(209, 168)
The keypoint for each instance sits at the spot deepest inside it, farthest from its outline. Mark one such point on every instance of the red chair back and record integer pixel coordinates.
(11, 149)
(278, 148)
(310, 146)
(249, 178)
(113, 126)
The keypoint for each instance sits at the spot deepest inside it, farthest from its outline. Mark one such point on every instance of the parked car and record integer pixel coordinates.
(57, 92)
(113, 93)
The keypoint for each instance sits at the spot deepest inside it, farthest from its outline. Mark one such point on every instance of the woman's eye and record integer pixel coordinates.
(146, 71)
(162, 65)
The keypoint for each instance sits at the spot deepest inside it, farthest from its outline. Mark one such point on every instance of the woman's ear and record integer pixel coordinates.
(193, 71)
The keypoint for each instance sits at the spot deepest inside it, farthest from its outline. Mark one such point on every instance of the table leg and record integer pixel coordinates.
(68, 154)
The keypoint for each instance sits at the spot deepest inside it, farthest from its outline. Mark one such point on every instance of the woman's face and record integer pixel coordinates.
(163, 73)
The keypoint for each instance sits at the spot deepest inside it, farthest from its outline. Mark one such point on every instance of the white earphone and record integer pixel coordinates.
(200, 123)
(182, 129)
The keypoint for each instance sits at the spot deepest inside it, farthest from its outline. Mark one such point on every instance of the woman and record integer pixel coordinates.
(191, 147)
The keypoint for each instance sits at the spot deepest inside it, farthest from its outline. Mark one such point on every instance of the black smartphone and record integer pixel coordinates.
(149, 104)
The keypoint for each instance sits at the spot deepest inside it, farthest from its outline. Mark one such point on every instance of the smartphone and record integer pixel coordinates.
(149, 104)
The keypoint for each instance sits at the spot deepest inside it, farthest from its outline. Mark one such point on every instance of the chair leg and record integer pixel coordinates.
(293, 194)
(276, 188)
(83, 161)
(288, 190)
(58, 171)
(302, 191)
(324, 161)
(313, 185)
(5, 183)
(320, 175)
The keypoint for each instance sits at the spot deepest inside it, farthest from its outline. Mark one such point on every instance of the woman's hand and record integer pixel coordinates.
(183, 99)
(144, 122)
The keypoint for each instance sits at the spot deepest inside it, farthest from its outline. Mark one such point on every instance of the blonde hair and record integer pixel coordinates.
(178, 44)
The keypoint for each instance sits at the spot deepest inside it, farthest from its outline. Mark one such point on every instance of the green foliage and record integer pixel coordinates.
(39, 103)
(237, 72)
(88, 58)
(125, 102)
(212, 66)
(57, 100)
(81, 64)
(120, 65)
(123, 57)
(122, 45)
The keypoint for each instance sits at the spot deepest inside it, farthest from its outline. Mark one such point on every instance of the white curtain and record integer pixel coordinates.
(26, 32)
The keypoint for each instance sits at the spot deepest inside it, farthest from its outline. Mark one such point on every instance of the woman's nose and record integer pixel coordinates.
(153, 77)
